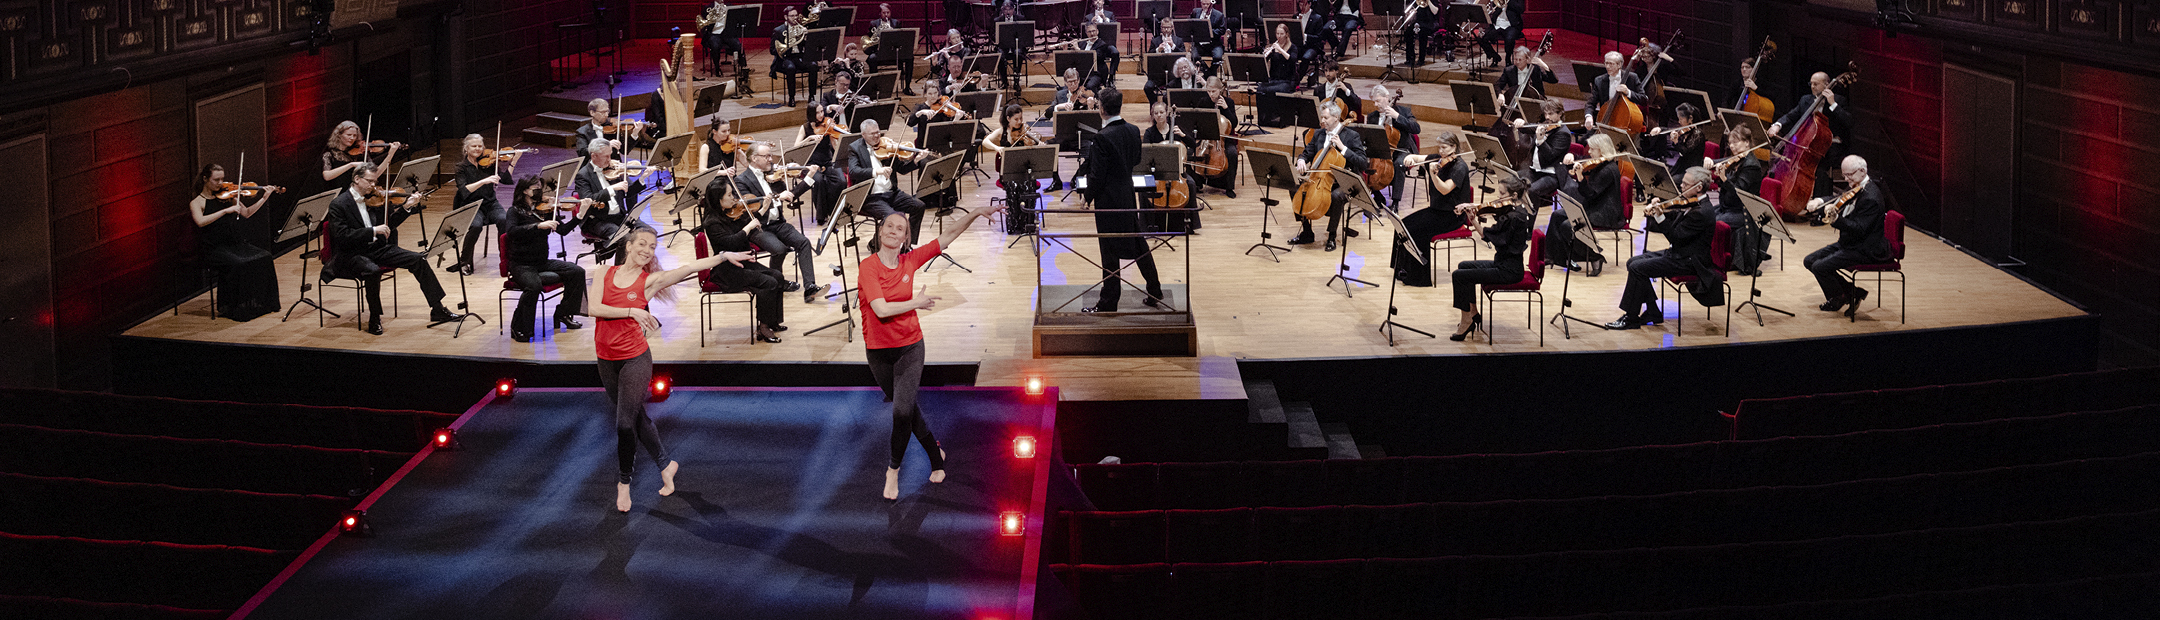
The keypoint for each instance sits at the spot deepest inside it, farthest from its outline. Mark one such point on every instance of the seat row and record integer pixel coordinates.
(37, 505)
(1640, 470)
(78, 570)
(1823, 414)
(193, 463)
(327, 427)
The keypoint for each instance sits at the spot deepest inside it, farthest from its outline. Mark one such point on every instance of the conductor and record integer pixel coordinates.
(1111, 158)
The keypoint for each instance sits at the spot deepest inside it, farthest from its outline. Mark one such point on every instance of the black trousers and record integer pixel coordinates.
(878, 206)
(247, 280)
(1424, 37)
(780, 238)
(600, 230)
(1506, 39)
(825, 189)
(1825, 264)
(1561, 246)
(398, 258)
(1336, 200)
(1471, 273)
(793, 65)
(1637, 298)
(490, 213)
(765, 284)
(531, 279)
(626, 383)
(898, 371)
(1422, 226)
(1113, 287)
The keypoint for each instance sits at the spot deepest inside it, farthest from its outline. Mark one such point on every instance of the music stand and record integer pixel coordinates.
(1586, 74)
(1376, 145)
(1066, 126)
(1620, 138)
(949, 136)
(302, 223)
(1014, 38)
(849, 205)
(799, 154)
(1578, 222)
(1417, 250)
(1674, 96)
(1302, 110)
(1391, 8)
(1356, 197)
(1475, 99)
(1150, 12)
(1190, 98)
(1531, 108)
(1203, 124)
(1192, 31)
(1242, 14)
(1024, 171)
(836, 16)
(1734, 118)
(880, 111)
(1271, 170)
(880, 85)
(558, 170)
(707, 97)
(1463, 15)
(692, 195)
(1654, 178)
(1158, 67)
(822, 44)
(895, 46)
(1492, 156)
(1250, 68)
(446, 238)
(668, 150)
(1763, 217)
(1081, 61)
(982, 104)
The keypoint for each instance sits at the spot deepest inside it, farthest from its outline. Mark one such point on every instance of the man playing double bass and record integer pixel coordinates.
(1616, 83)
(1834, 111)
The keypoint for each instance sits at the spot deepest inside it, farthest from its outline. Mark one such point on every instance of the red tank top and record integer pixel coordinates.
(620, 339)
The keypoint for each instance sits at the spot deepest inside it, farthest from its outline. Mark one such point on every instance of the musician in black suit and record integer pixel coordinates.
(1334, 85)
(1742, 175)
(1387, 113)
(716, 39)
(1166, 40)
(1860, 239)
(1348, 17)
(1332, 136)
(1111, 157)
(886, 197)
(1507, 26)
(1106, 57)
(1548, 155)
(1318, 36)
(735, 232)
(603, 205)
(790, 61)
(1528, 73)
(1182, 75)
(1834, 110)
(768, 226)
(1424, 30)
(1688, 226)
(628, 134)
(1211, 48)
(360, 237)
(525, 247)
(1615, 83)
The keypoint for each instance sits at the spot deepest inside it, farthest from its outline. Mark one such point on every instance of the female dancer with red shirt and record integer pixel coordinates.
(893, 338)
(626, 359)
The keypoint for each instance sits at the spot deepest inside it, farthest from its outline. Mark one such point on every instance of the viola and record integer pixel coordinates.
(622, 169)
(888, 148)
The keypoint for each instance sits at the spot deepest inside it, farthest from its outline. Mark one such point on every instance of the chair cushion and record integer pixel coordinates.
(1459, 233)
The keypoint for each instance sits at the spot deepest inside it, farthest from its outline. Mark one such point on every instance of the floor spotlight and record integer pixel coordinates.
(1009, 524)
(661, 387)
(1024, 447)
(446, 439)
(505, 387)
(1034, 386)
(354, 523)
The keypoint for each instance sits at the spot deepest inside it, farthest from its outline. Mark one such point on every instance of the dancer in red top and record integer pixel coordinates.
(893, 338)
(625, 358)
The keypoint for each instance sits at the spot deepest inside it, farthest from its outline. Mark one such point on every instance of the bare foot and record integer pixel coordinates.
(622, 497)
(667, 478)
(938, 475)
(892, 484)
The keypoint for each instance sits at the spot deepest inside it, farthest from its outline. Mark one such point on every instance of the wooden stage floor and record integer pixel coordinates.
(1246, 306)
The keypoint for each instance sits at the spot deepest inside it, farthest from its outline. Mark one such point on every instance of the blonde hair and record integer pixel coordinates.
(1601, 145)
(339, 131)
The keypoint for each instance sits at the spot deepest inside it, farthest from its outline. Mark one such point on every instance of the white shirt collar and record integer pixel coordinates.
(1112, 120)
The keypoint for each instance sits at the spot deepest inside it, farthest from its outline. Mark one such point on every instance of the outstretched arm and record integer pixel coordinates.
(946, 240)
(670, 277)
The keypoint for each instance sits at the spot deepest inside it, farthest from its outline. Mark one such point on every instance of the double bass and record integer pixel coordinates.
(1804, 149)
(1753, 102)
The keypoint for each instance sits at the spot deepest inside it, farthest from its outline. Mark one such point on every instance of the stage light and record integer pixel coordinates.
(1009, 524)
(1034, 385)
(661, 387)
(1024, 447)
(355, 523)
(446, 439)
(505, 387)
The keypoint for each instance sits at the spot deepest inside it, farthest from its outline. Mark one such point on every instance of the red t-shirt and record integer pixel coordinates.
(896, 284)
(620, 339)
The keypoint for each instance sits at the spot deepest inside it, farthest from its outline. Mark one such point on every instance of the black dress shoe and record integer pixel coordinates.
(1094, 309)
(441, 315)
(791, 287)
(1625, 322)
(1833, 304)
(1857, 295)
(1597, 268)
(1653, 318)
(520, 337)
(568, 322)
(1230, 193)
(374, 326)
(769, 339)
(778, 328)
(810, 295)
(1330, 247)
(1303, 238)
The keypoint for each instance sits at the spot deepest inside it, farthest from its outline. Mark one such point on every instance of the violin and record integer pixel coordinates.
(1830, 209)
(615, 126)
(733, 144)
(490, 157)
(393, 198)
(1661, 207)
(1580, 166)
(785, 171)
(830, 128)
(888, 148)
(1486, 209)
(366, 147)
(621, 169)
(229, 191)
(1021, 136)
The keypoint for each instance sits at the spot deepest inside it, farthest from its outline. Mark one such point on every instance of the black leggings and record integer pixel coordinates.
(899, 372)
(626, 383)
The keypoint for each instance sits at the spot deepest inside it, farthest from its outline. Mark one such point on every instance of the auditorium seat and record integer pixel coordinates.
(1221, 484)
(1116, 537)
(1288, 483)
(136, 572)
(1311, 533)
(1369, 482)
(1844, 412)
(195, 463)
(35, 505)
(1315, 590)
(1128, 486)
(1136, 591)
(1208, 535)
(1225, 591)
(1397, 531)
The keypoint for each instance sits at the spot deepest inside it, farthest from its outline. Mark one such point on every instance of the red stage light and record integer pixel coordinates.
(1009, 524)
(1024, 447)
(661, 387)
(446, 439)
(1034, 386)
(355, 523)
(506, 387)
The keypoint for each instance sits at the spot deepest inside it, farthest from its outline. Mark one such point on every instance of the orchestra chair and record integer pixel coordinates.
(1710, 150)
(1627, 216)
(1720, 258)
(1528, 288)
(1893, 227)
(711, 293)
(1460, 237)
(550, 290)
(331, 274)
(1579, 150)
(209, 276)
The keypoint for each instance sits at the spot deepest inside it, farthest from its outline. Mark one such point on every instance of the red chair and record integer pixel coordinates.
(709, 292)
(1236, 590)
(1124, 486)
(1202, 486)
(1116, 537)
(1709, 149)
(1627, 216)
(331, 274)
(1721, 258)
(1208, 535)
(1893, 228)
(1135, 591)
(1466, 236)
(1578, 150)
(1528, 288)
(550, 288)
(1297, 533)
(1316, 590)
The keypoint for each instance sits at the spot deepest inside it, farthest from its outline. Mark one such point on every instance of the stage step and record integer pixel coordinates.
(1262, 406)
(550, 137)
(560, 121)
(1305, 427)
(1340, 443)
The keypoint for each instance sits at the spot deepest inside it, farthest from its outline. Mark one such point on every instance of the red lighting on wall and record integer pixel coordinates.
(1009, 524)
(505, 387)
(661, 387)
(1024, 447)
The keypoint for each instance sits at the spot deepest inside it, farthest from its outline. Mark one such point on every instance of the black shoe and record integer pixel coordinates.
(1230, 193)
(521, 337)
(810, 295)
(1330, 247)
(461, 267)
(1303, 238)
(1833, 304)
(1625, 322)
(1857, 295)
(1655, 317)
(1155, 300)
(791, 287)
(568, 322)
(769, 338)
(374, 326)
(1460, 336)
(1597, 268)
(1094, 309)
(441, 315)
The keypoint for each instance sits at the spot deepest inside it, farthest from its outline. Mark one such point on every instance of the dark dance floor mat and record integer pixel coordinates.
(777, 515)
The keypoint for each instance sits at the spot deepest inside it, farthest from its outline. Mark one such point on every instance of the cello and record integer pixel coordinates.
(1316, 194)
(1804, 149)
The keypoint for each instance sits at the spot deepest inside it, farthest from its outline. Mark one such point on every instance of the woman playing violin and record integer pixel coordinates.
(245, 275)
(826, 181)
(477, 182)
(722, 148)
(525, 246)
(1597, 187)
(346, 151)
(1447, 185)
(1509, 235)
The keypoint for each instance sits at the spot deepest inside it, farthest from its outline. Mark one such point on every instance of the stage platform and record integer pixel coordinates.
(1246, 306)
(776, 515)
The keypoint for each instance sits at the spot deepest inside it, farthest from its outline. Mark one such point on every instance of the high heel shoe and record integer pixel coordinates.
(1475, 321)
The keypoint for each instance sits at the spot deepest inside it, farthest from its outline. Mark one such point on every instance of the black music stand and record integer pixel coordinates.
(1152, 11)
(1492, 156)
(708, 96)
(1158, 67)
(1531, 108)
(302, 223)
(1242, 14)
(1271, 170)
(880, 85)
(1578, 222)
(1475, 99)
(1024, 171)
(1392, 8)
(880, 111)
(1466, 16)
(1162, 162)
(741, 20)
(953, 137)
(1654, 178)
(822, 44)
(1203, 124)
(894, 47)
(836, 16)
(1586, 74)
(1195, 98)
(1066, 125)
(446, 240)
(982, 104)
(1418, 251)
(977, 63)
(691, 197)
(1251, 68)
(1734, 118)
(1355, 196)
(1082, 61)
(1761, 217)
(849, 204)
(1014, 39)
(1192, 31)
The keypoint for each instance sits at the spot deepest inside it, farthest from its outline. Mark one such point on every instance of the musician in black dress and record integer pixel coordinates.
(1388, 113)
(1685, 139)
(1111, 157)
(1226, 118)
(1282, 62)
(735, 232)
(788, 58)
(1860, 238)
(1834, 110)
(1745, 174)
(1688, 227)
(604, 204)
(827, 181)
(1163, 129)
(886, 197)
(1447, 185)
(1507, 27)
(525, 246)
(722, 149)
(477, 183)
(346, 153)
(1331, 137)
(360, 240)
(1597, 186)
(1528, 74)
(1509, 235)
(247, 282)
